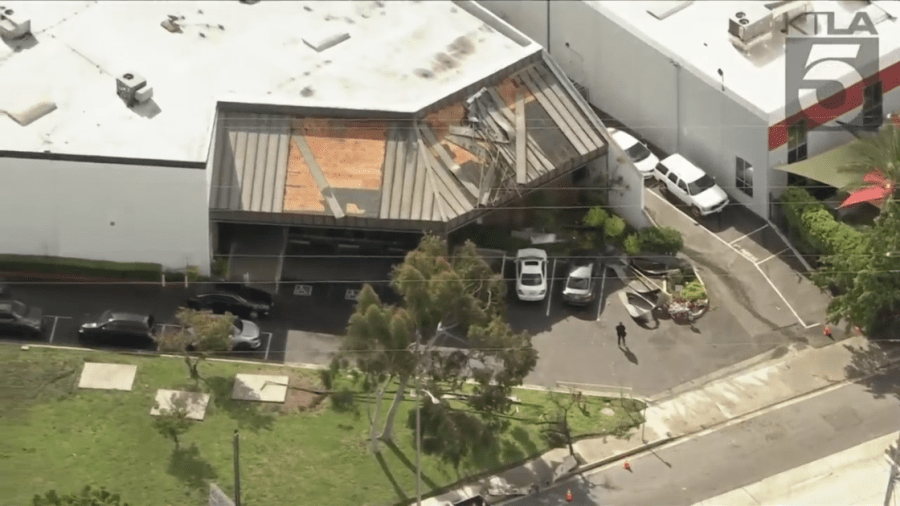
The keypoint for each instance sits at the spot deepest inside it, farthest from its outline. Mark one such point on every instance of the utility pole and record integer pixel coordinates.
(237, 469)
(418, 424)
(894, 454)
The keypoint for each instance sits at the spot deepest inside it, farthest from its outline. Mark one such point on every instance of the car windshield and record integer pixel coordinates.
(531, 279)
(638, 152)
(19, 309)
(701, 185)
(577, 283)
(238, 325)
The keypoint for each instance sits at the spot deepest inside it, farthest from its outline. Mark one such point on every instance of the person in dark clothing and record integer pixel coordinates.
(620, 331)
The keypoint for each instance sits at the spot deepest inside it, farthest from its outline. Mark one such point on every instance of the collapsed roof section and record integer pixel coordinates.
(476, 150)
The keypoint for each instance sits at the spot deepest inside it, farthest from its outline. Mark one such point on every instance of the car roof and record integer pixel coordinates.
(531, 253)
(581, 271)
(624, 139)
(248, 292)
(683, 168)
(130, 317)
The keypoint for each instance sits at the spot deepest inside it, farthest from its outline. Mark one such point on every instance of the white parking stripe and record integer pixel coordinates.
(550, 288)
(788, 304)
(602, 287)
(748, 235)
(55, 319)
(773, 256)
(268, 344)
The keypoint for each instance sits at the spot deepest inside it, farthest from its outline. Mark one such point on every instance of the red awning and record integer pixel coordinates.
(873, 194)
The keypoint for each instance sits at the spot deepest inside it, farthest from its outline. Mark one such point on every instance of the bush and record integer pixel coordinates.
(614, 227)
(663, 240)
(220, 267)
(595, 217)
(632, 245)
(82, 267)
(795, 201)
(693, 291)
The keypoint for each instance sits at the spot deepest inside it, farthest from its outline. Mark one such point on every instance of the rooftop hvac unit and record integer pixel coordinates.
(752, 21)
(13, 25)
(133, 89)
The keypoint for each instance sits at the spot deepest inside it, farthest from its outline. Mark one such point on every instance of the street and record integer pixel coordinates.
(689, 471)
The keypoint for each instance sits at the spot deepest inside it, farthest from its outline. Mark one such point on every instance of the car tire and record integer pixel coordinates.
(695, 212)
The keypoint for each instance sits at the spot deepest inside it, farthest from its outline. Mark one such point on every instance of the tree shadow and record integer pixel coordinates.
(524, 439)
(412, 467)
(390, 476)
(864, 362)
(511, 452)
(247, 414)
(187, 465)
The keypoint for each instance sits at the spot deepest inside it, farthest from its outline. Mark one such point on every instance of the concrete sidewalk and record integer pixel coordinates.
(798, 373)
(855, 476)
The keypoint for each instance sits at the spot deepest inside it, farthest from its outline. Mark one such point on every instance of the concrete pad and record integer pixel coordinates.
(260, 387)
(107, 376)
(195, 403)
(310, 347)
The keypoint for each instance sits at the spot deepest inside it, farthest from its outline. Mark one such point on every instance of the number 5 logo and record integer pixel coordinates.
(826, 66)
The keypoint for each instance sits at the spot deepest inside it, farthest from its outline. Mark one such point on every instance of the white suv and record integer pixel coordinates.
(690, 185)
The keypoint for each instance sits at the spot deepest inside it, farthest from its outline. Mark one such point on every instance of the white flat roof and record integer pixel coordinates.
(229, 51)
(697, 38)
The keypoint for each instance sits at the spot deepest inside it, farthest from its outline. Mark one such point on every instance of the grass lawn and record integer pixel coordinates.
(57, 436)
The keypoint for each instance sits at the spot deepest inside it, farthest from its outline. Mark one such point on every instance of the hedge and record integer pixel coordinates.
(663, 240)
(80, 267)
(795, 201)
(614, 227)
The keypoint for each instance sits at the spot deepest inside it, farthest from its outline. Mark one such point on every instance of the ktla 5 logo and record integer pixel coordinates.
(823, 63)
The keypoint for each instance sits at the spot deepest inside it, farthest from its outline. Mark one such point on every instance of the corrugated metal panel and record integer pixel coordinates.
(557, 111)
(403, 144)
(271, 161)
(387, 179)
(219, 149)
(240, 156)
(409, 180)
(582, 123)
(445, 185)
(317, 175)
(429, 207)
(418, 198)
(250, 162)
(259, 167)
(534, 166)
(281, 163)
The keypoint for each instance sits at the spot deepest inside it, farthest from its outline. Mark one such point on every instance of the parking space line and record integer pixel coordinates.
(788, 304)
(503, 266)
(53, 329)
(748, 235)
(773, 256)
(268, 344)
(602, 293)
(550, 288)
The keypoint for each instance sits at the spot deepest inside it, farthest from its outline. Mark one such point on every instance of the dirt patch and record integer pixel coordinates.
(301, 394)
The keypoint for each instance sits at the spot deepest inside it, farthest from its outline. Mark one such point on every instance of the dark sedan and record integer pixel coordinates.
(244, 302)
(17, 319)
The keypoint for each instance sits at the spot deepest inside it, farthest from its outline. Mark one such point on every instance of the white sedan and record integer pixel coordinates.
(640, 154)
(531, 274)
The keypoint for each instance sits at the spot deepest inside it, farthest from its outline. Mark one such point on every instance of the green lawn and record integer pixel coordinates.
(56, 436)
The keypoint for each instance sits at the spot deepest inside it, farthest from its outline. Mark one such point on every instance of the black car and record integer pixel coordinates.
(125, 330)
(239, 300)
(17, 319)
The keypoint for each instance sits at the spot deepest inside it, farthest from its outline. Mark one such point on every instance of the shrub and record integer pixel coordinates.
(220, 267)
(614, 227)
(595, 217)
(79, 266)
(693, 291)
(192, 273)
(663, 240)
(632, 245)
(795, 201)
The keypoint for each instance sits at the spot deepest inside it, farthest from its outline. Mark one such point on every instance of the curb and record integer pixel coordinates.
(618, 456)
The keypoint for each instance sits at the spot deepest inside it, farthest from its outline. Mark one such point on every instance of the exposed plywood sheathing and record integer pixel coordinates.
(350, 153)
(318, 177)
(507, 91)
(548, 105)
(441, 119)
(301, 192)
(521, 169)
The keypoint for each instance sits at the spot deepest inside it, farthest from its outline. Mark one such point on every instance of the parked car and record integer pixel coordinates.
(5, 291)
(239, 300)
(531, 274)
(245, 335)
(637, 151)
(120, 330)
(580, 283)
(17, 319)
(691, 185)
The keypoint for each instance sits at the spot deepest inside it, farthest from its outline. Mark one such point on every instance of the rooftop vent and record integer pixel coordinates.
(13, 25)
(321, 42)
(32, 113)
(750, 22)
(133, 89)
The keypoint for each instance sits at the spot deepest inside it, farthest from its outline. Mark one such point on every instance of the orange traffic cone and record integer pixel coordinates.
(627, 466)
(827, 331)
(569, 495)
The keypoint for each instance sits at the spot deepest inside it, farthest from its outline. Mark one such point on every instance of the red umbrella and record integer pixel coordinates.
(872, 194)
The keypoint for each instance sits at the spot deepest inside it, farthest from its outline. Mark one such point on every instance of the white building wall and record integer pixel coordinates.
(102, 211)
(530, 19)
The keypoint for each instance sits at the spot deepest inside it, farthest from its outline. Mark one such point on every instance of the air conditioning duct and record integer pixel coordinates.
(750, 22)
(132, 89)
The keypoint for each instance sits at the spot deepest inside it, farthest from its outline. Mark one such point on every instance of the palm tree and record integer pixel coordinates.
(877, 168)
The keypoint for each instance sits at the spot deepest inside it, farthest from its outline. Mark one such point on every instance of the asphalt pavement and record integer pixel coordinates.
(689, 471)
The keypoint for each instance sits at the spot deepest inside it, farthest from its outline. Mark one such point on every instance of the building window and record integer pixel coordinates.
(872, 110)
(743, 176)
(797, 141)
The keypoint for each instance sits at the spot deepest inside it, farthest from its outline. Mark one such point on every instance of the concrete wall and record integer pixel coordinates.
(624, 187)
(530, 19)
(104, 211)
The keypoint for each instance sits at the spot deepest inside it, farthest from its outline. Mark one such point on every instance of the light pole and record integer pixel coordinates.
(418, 424)
(892, 479)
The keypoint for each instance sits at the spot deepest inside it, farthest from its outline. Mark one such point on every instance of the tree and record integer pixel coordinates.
(199, 334)
(867, 275)
(557, 430)
(438, 290)
(87, 497)
(173, 422)
(876, 169)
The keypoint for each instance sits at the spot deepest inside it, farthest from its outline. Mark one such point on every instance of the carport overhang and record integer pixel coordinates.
(824, 167)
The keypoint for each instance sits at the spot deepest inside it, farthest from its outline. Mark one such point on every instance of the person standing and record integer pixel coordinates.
(620, 332)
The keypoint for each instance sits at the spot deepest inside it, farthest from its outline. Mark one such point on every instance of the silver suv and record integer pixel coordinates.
(689, 184)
